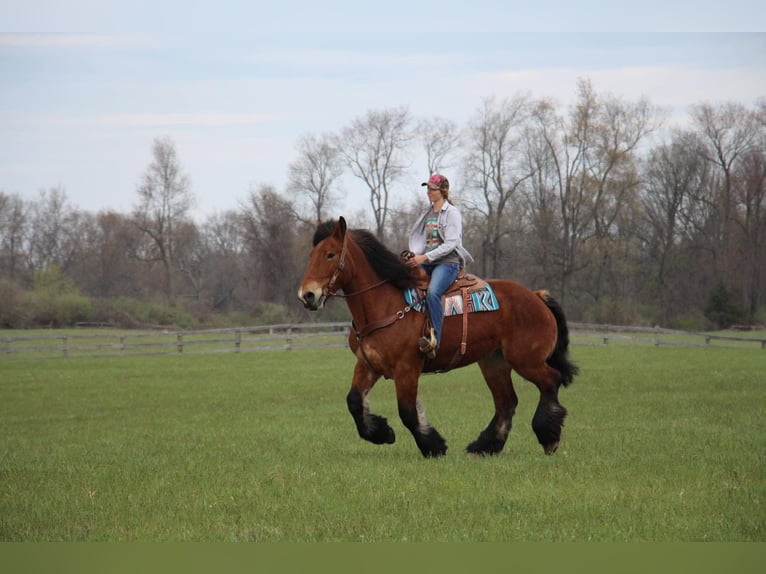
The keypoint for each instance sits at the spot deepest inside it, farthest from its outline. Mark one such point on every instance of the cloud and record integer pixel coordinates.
(664, 85)
(149, 120)
(65, 40)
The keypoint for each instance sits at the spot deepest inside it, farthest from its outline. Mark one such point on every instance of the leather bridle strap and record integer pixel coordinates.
(380, 324)
(327, 289)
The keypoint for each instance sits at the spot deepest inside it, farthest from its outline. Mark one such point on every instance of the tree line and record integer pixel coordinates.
(624, 218)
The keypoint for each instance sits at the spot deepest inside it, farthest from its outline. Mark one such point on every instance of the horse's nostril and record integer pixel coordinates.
(308, 297)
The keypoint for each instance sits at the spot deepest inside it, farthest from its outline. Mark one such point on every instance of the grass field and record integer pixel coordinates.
(661, 444)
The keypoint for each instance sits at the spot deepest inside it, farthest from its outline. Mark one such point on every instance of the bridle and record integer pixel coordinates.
(327, 290)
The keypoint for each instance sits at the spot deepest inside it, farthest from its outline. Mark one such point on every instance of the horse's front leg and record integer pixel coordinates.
(371, 427)
(413, 415)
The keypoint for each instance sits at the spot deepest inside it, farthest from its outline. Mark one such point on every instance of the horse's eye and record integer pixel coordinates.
(330, 256)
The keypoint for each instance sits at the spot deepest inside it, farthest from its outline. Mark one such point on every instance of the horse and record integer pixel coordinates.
(527, 334)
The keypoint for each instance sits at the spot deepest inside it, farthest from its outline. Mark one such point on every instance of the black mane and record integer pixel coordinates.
(385, 263)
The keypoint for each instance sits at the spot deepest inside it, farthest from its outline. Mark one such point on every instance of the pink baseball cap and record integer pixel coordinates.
(436, 181)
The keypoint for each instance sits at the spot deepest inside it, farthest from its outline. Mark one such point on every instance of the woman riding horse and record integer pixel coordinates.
(527, 334)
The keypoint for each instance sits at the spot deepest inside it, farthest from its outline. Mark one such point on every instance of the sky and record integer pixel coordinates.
(87, 85)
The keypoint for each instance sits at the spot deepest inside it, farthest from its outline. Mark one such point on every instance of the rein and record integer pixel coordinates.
(327, 291)
(380, 324)
(370, 288)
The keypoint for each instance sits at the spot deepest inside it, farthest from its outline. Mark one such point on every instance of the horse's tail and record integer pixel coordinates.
(559, 358)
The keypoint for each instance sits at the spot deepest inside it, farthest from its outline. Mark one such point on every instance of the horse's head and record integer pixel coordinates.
(325, 265)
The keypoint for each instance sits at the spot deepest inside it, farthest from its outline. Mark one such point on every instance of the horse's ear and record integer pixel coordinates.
(339, 230)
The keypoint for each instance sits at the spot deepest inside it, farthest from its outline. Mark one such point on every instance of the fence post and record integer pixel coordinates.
(122, 345)
(237, 340)
(64, 343)
(656, 335)
(289, 339)
(180, 343)
(8, 346)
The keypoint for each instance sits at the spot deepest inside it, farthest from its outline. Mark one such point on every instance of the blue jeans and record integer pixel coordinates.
(442, 276)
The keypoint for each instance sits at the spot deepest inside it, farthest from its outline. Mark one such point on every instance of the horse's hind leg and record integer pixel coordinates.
(497, 374)
(550, 414)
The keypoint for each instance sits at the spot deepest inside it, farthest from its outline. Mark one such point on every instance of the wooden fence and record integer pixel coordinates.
(287, 337)
(108, 342)
(591, 333)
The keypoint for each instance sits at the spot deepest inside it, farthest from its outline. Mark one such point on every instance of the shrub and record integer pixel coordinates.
(11, 311)
(53, 301)
(273, 313)
(57, 310)
(694, 321)
(760, 315)
(612, 311)
(233, 319)
(129, 312)
(721, 309)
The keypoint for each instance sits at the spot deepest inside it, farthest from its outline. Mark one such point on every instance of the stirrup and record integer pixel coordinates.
(428, 346)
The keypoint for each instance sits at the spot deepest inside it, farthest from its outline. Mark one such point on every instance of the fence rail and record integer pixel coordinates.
(288, 337)
(230, 340)
(655, 335)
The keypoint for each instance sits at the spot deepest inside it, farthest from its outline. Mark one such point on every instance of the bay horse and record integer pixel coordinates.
(527, 334)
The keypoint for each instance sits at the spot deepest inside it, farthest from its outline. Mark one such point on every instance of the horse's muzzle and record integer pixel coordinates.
(310, 300)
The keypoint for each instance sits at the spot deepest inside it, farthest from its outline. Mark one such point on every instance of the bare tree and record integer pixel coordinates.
(673, 175)
(113, 272)
(618, 127)
(730, 132)
(586, 166)
(495, 168)
(224, 247)
(51, 224)
(544, 220)
(13, 223)
(164, 200)
(373, 148)
(313, 173)
(750, 200)
(270, 231)
(440, 138)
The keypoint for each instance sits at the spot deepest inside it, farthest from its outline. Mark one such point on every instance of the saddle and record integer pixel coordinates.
(463, 285)
(464, 280)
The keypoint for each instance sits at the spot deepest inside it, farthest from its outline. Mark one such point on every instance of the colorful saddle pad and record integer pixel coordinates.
(480, 300)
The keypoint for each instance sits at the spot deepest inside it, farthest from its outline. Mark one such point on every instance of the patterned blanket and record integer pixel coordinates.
(480, 300)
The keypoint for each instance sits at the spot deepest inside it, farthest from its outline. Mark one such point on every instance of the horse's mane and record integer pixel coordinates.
(386, 264)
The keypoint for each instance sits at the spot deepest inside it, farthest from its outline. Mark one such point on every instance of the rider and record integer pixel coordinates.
(437, 241)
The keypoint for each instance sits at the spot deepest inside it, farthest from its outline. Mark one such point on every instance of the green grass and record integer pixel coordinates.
(661, 444)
